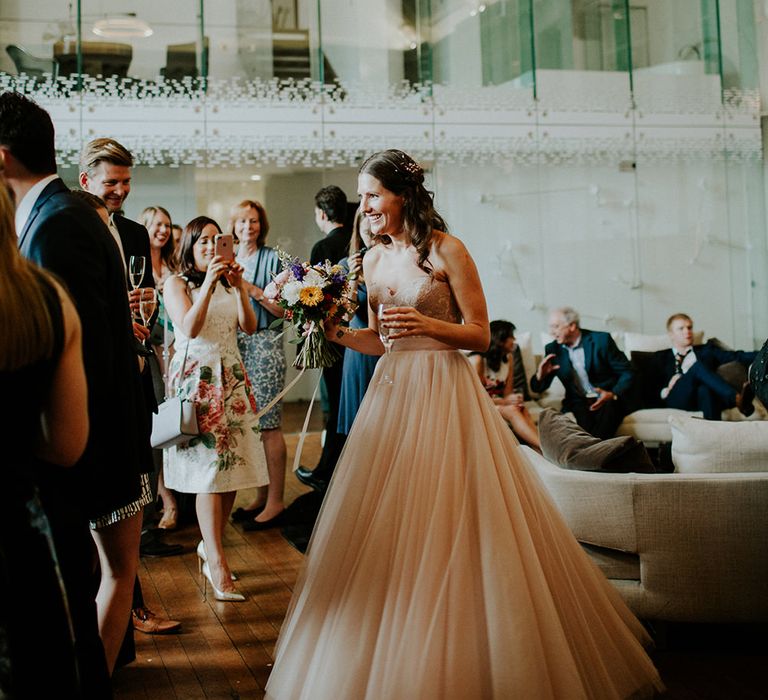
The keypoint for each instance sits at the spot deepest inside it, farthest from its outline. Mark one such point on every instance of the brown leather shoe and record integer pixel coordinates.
(144, 620)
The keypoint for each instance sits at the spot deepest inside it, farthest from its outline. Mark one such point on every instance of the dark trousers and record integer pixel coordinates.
(602, 423)
(334, 441)
(701, 389)
(77, 556)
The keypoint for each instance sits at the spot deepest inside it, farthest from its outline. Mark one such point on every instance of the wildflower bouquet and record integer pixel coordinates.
(310, 295)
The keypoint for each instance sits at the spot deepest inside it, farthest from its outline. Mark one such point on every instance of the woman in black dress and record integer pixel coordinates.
(44, 420)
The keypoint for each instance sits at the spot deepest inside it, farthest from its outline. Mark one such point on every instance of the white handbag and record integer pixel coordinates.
(176, 419)
(175, 422)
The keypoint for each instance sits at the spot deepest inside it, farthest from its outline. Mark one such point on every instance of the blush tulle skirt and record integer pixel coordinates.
(439, 568)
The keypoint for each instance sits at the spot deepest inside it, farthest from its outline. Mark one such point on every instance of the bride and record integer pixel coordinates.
(439, 568)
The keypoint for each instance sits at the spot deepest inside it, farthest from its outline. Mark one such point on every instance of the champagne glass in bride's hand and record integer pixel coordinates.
(384, 335)
(147, 304)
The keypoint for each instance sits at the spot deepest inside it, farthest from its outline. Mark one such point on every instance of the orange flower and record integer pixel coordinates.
(311, 296)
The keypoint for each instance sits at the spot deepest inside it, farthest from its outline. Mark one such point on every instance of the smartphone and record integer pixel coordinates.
(225, 246)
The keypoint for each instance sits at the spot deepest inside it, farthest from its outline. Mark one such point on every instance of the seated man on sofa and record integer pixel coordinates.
(596, 375)
(686, 375)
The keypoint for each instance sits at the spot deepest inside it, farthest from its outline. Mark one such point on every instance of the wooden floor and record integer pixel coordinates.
(225, 650)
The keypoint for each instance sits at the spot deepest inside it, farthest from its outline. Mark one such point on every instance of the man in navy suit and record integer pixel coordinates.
(687, 373)
(105, 170)
(596, 375)
(62, 234)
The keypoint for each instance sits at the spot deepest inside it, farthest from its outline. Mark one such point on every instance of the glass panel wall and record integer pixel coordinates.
(601, 152)
(28, 41)
(676, 67)
(582, 54)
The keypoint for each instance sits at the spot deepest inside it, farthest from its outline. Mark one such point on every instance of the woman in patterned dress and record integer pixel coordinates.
(207, 302)
(264, 359)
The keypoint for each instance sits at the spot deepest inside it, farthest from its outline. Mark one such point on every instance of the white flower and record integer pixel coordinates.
(283, 277)
(271, 291)
(313, 279)
(291, 291)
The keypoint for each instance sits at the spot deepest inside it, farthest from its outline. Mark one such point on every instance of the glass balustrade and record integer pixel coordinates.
(625, 133)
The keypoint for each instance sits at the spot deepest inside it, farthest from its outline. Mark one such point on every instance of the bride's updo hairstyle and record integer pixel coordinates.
(403, 176)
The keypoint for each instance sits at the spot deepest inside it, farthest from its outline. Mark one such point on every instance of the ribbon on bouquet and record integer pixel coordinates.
(280, 395)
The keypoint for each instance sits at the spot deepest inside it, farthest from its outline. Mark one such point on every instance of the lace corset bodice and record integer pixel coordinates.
(428, 295)
(219, 330)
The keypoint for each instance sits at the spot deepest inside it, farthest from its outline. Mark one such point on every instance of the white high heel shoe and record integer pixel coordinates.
(226, 596)
(203, 557)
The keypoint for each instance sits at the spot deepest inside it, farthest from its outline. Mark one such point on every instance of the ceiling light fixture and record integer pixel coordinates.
(124, 26)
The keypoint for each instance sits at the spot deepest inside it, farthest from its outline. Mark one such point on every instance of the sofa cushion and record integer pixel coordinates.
(525, 343)
(651, 425)
(645, 342)
(565, 443)
(700, 446)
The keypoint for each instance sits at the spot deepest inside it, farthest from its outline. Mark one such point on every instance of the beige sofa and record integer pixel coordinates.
(678, 547)
(651, 425)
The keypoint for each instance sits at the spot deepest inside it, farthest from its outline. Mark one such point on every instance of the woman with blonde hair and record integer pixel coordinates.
(45, 416)
(162, 246)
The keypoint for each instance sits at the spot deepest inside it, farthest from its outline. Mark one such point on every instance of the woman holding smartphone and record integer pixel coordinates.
(207, 303)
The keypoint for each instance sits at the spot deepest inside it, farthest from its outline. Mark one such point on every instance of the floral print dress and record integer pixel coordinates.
(228, 454)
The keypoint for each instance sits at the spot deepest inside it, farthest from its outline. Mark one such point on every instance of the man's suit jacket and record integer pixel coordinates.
(607, 367)
(135, 241)
(333, 247)
(65, 236)
(662, 364)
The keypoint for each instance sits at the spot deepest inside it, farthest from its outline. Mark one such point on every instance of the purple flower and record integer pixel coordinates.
(298, 271)
(339, 278)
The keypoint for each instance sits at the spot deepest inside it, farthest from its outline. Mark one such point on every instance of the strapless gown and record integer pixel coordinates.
(439, 568)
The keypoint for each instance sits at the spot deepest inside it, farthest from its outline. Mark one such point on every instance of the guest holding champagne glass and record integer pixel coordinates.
(104, 489)
(439, 567)
(207, 302)
(162, 247)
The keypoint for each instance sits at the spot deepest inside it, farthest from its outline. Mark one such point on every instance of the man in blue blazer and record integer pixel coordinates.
(62, 234)
(686, 375)
(596, 375)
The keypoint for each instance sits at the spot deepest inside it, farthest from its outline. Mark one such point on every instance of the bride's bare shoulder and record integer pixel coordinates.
(447, 249)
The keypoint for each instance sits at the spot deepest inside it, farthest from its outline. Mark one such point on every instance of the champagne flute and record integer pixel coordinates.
(384, 334)
(136, 266)
(147, 304)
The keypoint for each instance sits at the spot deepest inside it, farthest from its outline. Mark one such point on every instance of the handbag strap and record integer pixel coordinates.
(186, 350)
(183, 366)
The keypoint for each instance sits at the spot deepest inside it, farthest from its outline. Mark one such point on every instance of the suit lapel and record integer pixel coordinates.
(122, 231)
(587, 342)
(564, 360)
(50, 189)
